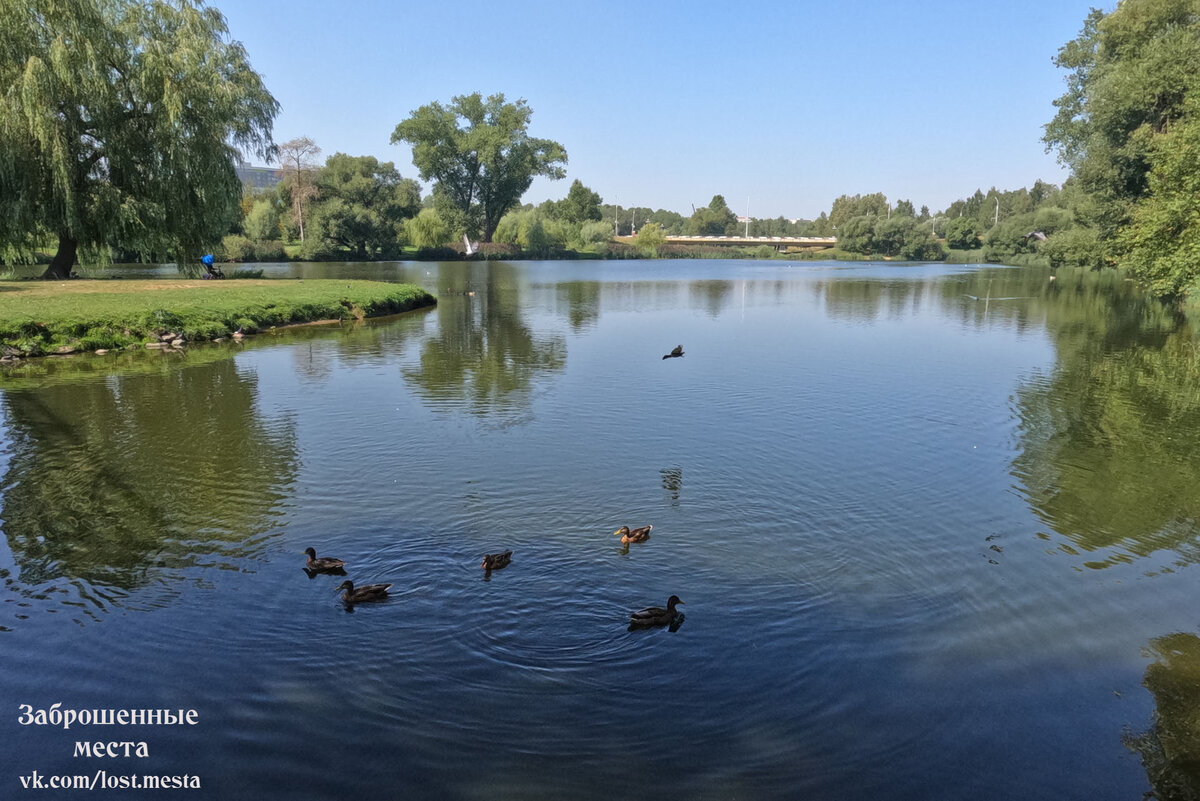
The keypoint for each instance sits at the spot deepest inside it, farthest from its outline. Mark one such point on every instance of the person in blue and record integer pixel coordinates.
(209, 270)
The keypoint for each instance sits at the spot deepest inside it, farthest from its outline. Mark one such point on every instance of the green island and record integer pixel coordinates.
(40, 318)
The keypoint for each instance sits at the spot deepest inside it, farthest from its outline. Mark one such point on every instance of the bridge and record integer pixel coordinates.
(779, 242)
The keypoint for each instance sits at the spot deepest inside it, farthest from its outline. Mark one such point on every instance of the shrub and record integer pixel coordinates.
(269, 250)
(236, 248)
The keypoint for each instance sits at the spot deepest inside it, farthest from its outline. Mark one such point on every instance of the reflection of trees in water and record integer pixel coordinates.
(1170, 748)
(115, 483)
(710, 295)
(483, 354)
(1110, 441)
(582, 299)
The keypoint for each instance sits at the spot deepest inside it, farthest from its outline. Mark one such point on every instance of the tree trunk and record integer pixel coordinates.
(64, 259)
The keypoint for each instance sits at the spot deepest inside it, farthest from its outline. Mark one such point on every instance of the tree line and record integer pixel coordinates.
(125, 148)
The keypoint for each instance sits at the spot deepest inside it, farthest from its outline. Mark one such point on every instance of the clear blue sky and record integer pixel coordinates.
(665, 104)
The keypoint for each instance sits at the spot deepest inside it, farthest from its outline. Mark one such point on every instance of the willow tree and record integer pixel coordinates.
(120, 123)
(480, 155)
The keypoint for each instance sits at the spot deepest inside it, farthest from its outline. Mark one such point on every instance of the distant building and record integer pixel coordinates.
(258, 179)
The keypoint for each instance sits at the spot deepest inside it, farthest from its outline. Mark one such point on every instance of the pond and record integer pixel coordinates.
(930, 525)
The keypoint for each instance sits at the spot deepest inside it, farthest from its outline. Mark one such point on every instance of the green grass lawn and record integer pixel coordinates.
(39, 317)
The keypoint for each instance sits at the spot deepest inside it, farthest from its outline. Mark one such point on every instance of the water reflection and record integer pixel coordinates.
(1107, 458)
(709, 295)
(119, 484)
(582, 299)
(1170, 748)
(483, 355)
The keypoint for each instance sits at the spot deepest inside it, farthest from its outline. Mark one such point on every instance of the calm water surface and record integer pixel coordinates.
(931, 525)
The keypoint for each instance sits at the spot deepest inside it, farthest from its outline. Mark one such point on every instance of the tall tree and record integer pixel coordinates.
(715, 219)
(480, 155)
(120, 122)
(1131, 74)
(580, 205)
(846, 207)
(363, 204)
(297, 162)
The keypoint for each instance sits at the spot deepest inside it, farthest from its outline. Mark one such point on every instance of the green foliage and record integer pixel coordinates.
(361, 205)
(650, 239)
(580, 205)
(262, 222)
(1075, 247)
(480, 155)
(530, 230)
(962, 233)
(427, 229)
(846, 208)
(716, 219)
(120, 123)
(891, 234)
(781, 226)
(922, 246)
(318, 249)
(857, 235)
(236, 248)
(1133, 84)
(1161, 243)
(594, 233)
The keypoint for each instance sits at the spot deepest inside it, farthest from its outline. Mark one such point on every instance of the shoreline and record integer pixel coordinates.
(39, 319)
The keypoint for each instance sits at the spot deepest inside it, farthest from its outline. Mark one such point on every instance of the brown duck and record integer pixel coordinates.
(635, 535)
(323, 564)
(363, 594)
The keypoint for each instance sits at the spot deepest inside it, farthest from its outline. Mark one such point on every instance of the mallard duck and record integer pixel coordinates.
(325, 563)
(495, 561)
(636, 535)
(675, 353)
(655, 615)
(367, 592)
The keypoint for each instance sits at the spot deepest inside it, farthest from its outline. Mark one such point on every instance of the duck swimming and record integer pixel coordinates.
(495, 561)
(322, 565)
(636, 535)
(656, 615)
(675, 353)
(367, 592)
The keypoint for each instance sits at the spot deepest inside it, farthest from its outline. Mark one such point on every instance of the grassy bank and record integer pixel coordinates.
(38, 317)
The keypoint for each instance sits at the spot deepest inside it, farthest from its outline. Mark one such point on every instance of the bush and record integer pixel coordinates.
(317, 249)
(269, 250)
(928, 249)
(244, 273)
(236, 248)
(1074, 247)
(962, 233)
(594, 233)
(438, 254)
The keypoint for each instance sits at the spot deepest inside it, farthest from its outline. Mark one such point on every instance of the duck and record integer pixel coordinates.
(675, 353)
(495, 561)
(323, 564)
(636, 535)
(367, 592)
(656, 615)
